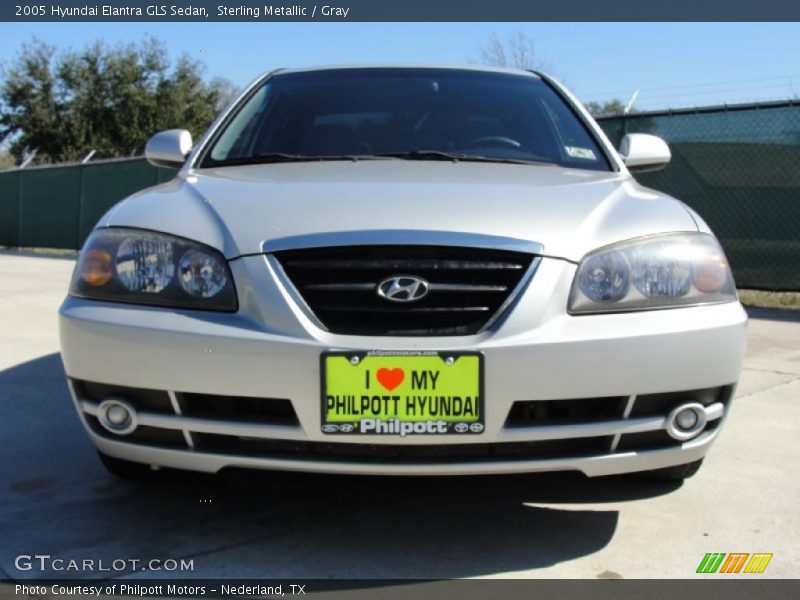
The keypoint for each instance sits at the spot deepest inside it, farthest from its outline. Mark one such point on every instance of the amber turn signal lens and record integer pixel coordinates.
(710, 276)
(96, 267)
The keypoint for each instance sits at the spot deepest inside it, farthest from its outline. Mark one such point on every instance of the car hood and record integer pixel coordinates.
(238, 209)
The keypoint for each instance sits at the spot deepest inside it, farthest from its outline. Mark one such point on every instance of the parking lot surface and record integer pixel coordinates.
(56, 498)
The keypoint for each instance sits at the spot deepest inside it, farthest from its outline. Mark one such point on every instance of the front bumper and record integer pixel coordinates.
(270, 350)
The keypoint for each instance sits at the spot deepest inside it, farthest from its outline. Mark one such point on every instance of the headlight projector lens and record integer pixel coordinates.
(202, 275)
(605, 277)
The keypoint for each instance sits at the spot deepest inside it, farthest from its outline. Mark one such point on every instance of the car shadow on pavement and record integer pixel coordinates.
(57, 499)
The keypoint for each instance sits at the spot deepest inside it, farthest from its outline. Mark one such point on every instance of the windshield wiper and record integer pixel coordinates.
(457, 157)
(280, 157)
(283, 157)
(422, 155)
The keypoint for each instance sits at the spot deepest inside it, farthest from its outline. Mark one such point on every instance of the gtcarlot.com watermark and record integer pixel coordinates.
(45, 563)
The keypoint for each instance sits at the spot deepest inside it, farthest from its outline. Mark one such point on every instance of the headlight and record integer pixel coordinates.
(660, 271)
(142, 267)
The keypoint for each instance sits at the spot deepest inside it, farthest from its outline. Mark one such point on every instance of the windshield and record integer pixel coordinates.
(412, 114)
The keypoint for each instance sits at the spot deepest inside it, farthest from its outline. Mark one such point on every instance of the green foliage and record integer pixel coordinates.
(107, 99)
(6, 161)
(610, 107)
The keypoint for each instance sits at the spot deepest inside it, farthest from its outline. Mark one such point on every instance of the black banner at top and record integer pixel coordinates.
(397, 10)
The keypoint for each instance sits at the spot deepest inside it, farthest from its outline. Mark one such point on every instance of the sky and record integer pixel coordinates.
(672, 64)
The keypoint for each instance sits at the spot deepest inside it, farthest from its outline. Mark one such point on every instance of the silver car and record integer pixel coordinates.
(403, 271)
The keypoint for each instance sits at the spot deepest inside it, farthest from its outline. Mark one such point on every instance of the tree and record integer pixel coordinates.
(517, 51)
(6, 161)
(607, 108)
(107, 99)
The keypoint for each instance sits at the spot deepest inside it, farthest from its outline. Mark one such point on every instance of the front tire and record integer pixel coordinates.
(676, 473)
(124, 469)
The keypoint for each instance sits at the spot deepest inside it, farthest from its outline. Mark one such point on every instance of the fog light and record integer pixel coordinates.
(686, 421)
(117, 416)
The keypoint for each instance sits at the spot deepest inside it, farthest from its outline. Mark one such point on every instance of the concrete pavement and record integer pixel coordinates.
(55, 497)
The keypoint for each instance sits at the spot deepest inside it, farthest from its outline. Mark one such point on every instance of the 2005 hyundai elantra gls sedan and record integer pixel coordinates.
(403, 270)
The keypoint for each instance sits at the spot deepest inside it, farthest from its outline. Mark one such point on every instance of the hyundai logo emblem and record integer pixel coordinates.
(403, 288)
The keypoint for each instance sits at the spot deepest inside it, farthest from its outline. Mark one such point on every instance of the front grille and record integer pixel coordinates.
(269, 411)
(647, 440)
(533, 413)
(389, 453)
(469, 287)
(155, 401)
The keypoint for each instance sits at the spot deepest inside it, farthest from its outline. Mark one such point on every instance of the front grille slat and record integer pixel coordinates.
(434, 287)
(403, 264)
(408, 309)
(467, 287)
(459, 287)
(333, 287)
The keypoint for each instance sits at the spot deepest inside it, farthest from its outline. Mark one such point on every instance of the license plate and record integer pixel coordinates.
(402, 393)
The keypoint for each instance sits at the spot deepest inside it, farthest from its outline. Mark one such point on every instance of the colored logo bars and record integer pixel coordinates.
(736, 562)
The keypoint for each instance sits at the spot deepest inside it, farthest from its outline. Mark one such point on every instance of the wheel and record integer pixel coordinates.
(676, 473)
(124, 469)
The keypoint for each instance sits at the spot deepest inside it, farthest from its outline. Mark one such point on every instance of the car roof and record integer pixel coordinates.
(421, 66)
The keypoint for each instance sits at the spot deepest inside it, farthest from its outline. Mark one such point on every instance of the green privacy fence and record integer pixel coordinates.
(739, 167)
(56, 207)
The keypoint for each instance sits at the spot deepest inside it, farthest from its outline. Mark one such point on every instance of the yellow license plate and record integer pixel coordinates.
(402, 393)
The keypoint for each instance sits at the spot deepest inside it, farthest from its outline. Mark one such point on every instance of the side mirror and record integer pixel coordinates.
(644, 152)
(168, 148)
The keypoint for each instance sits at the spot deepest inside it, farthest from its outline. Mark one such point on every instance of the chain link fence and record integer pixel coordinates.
(739, 168)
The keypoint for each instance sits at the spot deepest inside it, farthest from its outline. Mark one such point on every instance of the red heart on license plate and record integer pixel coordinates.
(390, 378)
